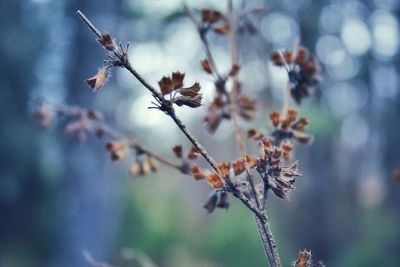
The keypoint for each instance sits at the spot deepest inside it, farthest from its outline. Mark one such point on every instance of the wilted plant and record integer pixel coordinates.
(275, 169)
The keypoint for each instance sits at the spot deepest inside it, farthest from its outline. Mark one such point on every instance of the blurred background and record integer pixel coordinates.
(59, 198)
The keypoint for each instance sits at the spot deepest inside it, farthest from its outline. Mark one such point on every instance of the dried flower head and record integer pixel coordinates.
(303, 71)
(289, 127)
(173, 86)
(304, 259)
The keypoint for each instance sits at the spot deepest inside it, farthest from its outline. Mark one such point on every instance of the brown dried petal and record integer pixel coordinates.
(193, 102)
(302, 137)
(107, 41)
(278, 190)
(165, 85)
(286, 148)
(193, 153)
(275, 118)
(238, 166)
(224, 169)
(254, 134)
(251, 162)
(291, 170)
(234, 70)
(206, 66)
(177, 80)
(223, 30)
(191, 91)
(197, 173)
(215, 180)
(301, 55)
(290, 117)
(276, 58)
(300, 125)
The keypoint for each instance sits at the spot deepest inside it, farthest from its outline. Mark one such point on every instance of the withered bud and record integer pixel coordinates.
(145, 168)
(251, 162)
(177, 151)
(215, 180)
(134, 169)
(222, 201)
(198, 173)
(303, 259)
(153, 164)
(193, 153)
(254, 134)
(94, 115)
(98, 80)
(224, 169)
(300, 124)
(301, 55)
(118, 149)
(234, 70)
(286, 148)
(238, 166)
(106, 41)
(290, 117)
(276, 58)
(223, 30)
(275, 118)
(206, 66)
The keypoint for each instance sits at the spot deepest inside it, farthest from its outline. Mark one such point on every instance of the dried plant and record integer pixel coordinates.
(276, 170)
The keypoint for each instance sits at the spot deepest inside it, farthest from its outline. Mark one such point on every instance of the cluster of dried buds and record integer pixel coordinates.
(218, 110)
(213, 20)
(285, 128)
(179, 95)
(304, 259)
(302, 68)
(81, 122)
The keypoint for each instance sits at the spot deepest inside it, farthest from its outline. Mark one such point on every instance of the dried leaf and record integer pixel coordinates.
(99, 80)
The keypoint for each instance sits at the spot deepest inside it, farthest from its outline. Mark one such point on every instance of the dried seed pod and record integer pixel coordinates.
(198, 173)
